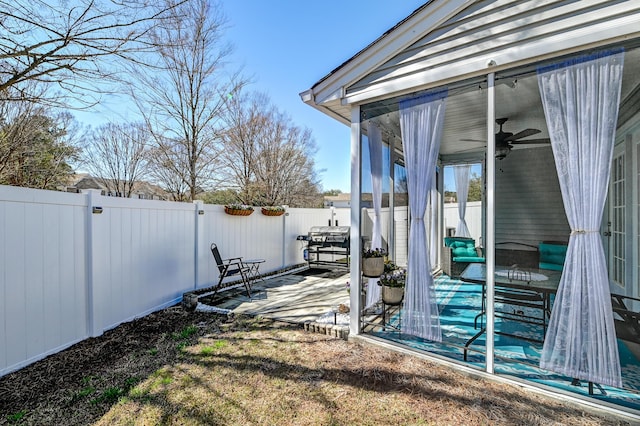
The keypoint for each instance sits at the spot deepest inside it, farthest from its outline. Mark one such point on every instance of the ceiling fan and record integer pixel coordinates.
(506, 140)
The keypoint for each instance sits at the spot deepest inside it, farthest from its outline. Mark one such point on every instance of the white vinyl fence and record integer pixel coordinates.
(75, 265)
(473, 217)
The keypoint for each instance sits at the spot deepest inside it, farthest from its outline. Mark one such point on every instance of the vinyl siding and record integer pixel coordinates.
(529, 206)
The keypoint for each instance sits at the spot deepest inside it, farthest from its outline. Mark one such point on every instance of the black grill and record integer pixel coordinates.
(327, 246)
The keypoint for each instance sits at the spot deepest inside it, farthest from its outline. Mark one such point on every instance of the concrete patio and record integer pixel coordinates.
(309, 297)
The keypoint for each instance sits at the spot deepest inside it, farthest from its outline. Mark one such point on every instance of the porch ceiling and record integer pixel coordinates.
(517, 98)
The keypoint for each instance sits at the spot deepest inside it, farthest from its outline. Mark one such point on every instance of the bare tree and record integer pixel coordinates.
(116, 156)
(183, 97)
(36, 146)
(70, 45)
(285, 168)
(268, 158)
(246, 120)
(166, 170)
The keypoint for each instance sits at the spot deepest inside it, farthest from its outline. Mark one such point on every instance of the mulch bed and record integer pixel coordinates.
(79, 384)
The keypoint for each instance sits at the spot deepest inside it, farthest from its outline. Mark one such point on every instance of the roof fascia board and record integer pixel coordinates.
(507, 58)
(376, 54)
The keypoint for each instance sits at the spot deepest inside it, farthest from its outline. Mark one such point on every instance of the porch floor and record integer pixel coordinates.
(517, 357)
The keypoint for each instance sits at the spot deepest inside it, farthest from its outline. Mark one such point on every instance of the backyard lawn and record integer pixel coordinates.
(190, 368)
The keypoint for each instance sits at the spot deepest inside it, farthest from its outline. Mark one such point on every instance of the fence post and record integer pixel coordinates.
(93, 209)
(285, 242)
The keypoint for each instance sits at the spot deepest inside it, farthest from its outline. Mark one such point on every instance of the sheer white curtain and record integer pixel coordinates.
(433, 220)
(375, 160)
(461, 175)
(421, 123)
(580, 100)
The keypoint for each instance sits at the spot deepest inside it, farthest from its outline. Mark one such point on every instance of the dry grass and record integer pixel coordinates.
(174, 367)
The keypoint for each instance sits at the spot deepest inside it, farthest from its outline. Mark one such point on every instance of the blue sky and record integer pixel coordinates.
(288, 45)
(285, 47)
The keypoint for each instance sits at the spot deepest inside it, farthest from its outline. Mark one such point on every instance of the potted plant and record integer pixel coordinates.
(393, 281)
(373, 262)
(238, 209)
(272, 210)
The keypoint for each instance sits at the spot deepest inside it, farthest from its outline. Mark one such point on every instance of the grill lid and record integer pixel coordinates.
(330, 230)
(329, 234)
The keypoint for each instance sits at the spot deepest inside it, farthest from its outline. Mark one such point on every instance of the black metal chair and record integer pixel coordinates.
(230, 267)
(627, 324)
(627, 321)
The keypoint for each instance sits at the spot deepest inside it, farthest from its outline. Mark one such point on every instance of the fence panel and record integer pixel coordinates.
(42, 245)
(473, 217)
(143, 257)
(257, 236)
(251, 237)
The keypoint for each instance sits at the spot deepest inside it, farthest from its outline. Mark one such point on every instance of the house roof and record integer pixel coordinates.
(86, 181)
(343, 196)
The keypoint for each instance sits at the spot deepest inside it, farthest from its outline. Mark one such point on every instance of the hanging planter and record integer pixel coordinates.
(238, 210)
(372, 266)
(272, 210)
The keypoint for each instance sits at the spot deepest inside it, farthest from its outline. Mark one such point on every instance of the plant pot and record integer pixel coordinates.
(267, 212)
(190, 301)
(237, 212)
(392, 295)
(372, 267)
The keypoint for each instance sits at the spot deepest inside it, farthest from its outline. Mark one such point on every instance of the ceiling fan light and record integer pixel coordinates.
(501, 153)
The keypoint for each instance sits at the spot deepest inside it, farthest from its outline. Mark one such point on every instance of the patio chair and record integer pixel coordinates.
(627, 324)
(229, 268)
(457, 253)
(627, 321)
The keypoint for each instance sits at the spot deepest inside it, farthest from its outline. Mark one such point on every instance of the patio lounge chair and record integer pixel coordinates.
(230, 267)
(457, 253)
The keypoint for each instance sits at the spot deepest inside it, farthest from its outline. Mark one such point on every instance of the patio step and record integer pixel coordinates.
(338, 331)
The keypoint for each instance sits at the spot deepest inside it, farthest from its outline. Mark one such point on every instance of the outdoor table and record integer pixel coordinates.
(529, 288)
(254, 269)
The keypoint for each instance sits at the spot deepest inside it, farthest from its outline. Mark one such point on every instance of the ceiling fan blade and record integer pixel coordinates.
(531, 141)
(522, 134)
(471, 150)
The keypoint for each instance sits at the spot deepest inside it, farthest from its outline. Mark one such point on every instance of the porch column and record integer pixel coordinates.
(355, 242)
(391, 234)
(491, 237)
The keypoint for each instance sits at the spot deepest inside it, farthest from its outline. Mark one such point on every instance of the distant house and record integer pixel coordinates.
(142, 190)
(343, 200)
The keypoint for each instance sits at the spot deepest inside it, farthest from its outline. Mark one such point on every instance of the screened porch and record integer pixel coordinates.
(538, 188)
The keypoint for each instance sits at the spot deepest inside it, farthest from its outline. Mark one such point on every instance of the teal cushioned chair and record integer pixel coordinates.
(457, 253)
(552, 255)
